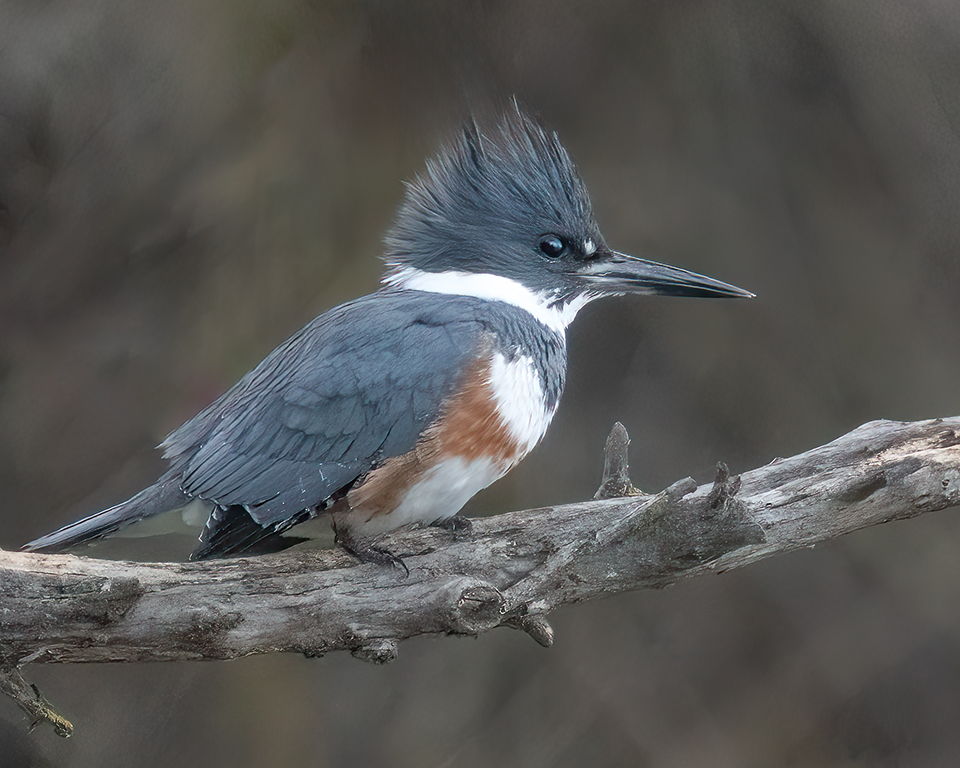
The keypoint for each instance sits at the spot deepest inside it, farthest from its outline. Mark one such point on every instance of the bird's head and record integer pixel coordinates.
(506, 211)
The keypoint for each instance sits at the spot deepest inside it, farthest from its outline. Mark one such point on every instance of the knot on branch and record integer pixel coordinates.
(471, 606)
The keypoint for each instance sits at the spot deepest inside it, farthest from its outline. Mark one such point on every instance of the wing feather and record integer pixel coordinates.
(355, 386)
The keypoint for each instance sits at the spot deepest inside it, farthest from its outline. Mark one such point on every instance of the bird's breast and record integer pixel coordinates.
(521, 404)
(497, 414)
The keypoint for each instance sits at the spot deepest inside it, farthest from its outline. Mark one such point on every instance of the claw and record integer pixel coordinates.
(458, 525)
(368, 553)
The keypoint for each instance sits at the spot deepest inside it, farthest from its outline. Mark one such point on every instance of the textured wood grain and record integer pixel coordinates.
(513, 569)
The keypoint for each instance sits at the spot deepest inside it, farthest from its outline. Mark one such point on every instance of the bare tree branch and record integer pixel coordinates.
(31, 701)
(513, 569)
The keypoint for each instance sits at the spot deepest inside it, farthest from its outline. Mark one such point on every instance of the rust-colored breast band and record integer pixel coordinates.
(469, 428)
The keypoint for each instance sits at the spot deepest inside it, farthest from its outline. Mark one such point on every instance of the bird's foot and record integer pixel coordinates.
(461, 527)
(368, 553)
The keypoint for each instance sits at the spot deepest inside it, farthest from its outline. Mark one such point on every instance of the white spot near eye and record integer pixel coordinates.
(589, 248)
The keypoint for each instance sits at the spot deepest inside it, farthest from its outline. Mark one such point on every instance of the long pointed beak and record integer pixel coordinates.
(619, 273)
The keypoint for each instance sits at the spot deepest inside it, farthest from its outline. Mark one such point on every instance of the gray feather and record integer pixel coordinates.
(163, 496)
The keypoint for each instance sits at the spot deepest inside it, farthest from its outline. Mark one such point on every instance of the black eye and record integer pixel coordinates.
(552, 246)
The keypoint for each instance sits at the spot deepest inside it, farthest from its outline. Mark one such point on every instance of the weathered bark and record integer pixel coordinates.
(511, 570)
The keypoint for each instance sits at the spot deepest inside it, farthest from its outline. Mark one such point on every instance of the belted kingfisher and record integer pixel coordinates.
(399, 406)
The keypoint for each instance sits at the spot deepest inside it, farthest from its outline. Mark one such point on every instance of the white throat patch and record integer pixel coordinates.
(494, 288)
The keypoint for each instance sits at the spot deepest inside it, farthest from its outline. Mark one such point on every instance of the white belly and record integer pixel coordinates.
(493, 425)
(439, 494)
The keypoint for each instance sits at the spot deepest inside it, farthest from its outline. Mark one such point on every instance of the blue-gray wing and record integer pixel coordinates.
(355, 386)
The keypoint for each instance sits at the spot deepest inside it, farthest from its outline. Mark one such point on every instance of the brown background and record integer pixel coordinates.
(183, 184)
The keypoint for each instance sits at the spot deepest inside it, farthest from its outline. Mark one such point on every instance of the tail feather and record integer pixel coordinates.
(232, 532)
(163, 496)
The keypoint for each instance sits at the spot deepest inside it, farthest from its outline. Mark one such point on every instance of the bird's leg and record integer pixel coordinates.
(366, 552)
(461, 527)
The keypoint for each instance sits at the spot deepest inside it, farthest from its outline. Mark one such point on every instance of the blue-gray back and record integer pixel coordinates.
(353, 387)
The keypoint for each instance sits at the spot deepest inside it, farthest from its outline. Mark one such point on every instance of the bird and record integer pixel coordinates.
(397, 407)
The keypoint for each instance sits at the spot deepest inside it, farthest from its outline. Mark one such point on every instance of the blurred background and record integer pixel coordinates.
(184, 184)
